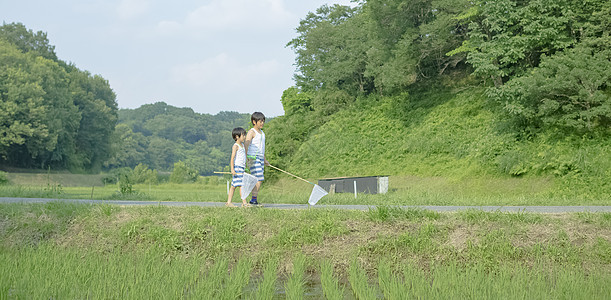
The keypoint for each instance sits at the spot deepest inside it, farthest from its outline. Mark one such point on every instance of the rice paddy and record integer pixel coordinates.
(67, 251)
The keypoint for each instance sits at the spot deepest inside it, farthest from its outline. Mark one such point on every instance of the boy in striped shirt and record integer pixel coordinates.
(255, 152)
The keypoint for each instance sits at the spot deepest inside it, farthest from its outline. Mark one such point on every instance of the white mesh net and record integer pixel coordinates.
(317, 193)
(248, 183)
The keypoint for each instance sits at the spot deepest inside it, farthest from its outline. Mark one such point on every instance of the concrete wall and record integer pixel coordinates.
(367, 185)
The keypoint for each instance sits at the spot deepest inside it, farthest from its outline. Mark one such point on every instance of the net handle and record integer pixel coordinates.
(290, 174)
(226, 173)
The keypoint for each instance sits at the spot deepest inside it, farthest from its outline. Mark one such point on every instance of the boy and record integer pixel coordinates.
(237, 163)
(255, 151)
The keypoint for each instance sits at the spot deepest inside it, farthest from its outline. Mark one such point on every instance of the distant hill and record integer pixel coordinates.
(159, 135)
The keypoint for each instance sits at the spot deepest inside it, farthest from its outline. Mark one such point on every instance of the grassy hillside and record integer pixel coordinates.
(454, 134)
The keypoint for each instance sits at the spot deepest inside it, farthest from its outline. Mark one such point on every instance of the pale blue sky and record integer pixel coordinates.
(214, 55)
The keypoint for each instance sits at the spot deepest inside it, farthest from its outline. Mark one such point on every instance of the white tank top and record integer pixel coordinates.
(240, 157)
(257, 145)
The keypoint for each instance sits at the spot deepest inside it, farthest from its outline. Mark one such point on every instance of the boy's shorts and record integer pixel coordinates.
(256, 167)
(237, 178)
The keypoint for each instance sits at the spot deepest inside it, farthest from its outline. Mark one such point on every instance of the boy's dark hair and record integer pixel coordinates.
(257, 116)
(238, 131)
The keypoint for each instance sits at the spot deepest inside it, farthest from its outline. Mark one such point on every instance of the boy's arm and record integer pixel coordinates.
(249, 136)
(234, 150)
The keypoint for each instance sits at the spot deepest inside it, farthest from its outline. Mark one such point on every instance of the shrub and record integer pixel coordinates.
(126, 185)
(142, 174)
(3, 178)
(182, 173)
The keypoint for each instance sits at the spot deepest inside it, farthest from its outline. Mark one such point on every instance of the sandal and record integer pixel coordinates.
(230, 205)
(246, 205)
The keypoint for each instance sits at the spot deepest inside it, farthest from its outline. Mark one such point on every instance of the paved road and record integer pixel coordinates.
(534, 209)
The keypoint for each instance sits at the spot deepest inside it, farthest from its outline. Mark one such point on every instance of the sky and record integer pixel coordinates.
(209, 55)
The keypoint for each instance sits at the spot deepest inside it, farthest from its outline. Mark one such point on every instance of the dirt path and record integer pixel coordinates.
(534, 209)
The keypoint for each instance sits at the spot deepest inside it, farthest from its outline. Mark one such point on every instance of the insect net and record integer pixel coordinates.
(317, 193)
(248, 183)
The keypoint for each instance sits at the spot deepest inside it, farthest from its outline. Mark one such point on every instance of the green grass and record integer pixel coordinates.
(448, 147)
(403, 190)
(504, 282)
(162, 192)
(63, 250)
(55, 178)
(52, 272)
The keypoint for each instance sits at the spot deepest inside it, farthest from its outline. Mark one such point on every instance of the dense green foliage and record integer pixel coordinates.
(446, 88)
(160, 135)
(51, 113)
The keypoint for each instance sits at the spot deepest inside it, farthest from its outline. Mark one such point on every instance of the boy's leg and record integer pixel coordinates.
(236, 181)
(255, 190)
(257, 171)
(244, 202)
(255, 193)
(229, 196)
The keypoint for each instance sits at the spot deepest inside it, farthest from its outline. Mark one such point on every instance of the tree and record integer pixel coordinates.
(508, 37)
(128, 148)
(330, 51)
(97, 105)
(294, 101)
(21, 105)
(392, 58)
(163, 153)
(41, 120)
(160, 135)
(53, 114)
(27, 41)
(569, 90)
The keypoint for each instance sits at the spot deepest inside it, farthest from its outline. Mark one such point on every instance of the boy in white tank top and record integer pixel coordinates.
(255, 152)
(237, 163)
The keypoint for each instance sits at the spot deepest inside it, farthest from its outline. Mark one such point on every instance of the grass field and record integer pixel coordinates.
(403, 190)
(64, 250)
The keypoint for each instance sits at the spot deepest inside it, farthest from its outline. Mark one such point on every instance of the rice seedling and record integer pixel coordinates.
(295, 285)
(359, 282)
(332, 289)
(211, 286)
(239, 278)
(391, 284)
(50, 272)
(267, 287)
